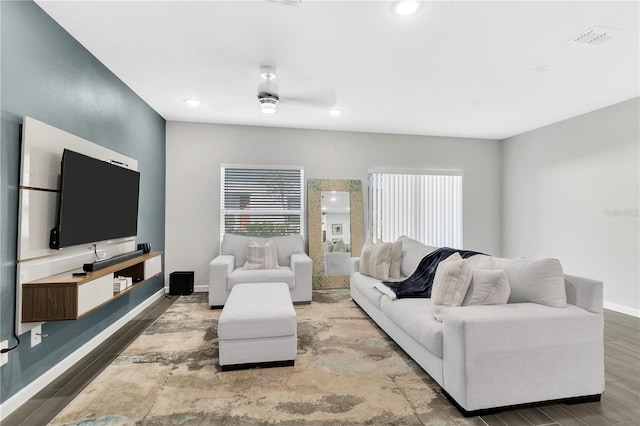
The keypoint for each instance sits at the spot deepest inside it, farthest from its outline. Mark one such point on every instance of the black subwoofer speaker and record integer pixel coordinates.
(181, 282)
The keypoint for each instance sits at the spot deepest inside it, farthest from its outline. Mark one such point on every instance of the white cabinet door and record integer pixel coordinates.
(94, 293)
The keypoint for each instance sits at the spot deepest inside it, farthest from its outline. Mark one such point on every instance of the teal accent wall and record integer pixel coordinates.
(48, 75)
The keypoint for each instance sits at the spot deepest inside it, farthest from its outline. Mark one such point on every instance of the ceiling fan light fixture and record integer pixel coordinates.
(268, 104)
(268, 73)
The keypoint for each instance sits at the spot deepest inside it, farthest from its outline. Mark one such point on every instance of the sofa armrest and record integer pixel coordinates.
(522, 352)
(221, 267)
(301, 266)
(355, 265)
(584, 292)
(219, 270)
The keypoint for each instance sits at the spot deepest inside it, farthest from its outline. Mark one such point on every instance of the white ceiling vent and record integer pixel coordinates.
(595, 35)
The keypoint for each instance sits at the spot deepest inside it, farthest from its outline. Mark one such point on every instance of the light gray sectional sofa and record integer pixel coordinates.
(545, 344)
(228, 269)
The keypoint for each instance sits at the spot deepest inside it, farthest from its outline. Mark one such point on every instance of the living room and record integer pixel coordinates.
(567, 189)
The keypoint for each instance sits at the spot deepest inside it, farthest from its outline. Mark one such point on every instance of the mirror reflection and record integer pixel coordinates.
(336, 233)
(341, 225)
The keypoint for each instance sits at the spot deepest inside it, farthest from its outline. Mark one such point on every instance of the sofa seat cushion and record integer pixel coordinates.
(240, 275)
(415, 317)
(364, 284)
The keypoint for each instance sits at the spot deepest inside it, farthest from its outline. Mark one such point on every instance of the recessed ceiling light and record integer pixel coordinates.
(473, 104)
(405, 7)
(335, 112)
(192, 102)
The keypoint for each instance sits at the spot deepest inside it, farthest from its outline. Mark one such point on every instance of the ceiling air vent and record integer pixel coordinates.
(596, 35)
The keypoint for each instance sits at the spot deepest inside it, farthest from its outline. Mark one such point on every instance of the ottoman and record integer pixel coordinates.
(257, 327)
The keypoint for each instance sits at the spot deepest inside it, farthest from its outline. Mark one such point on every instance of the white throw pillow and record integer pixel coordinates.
(396, 257)
(262, 257)
(450, 284)
(488, 287)
(534, 280)
(328, 247)
(375, 260)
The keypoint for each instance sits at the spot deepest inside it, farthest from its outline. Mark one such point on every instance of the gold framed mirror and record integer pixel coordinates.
(338, 226)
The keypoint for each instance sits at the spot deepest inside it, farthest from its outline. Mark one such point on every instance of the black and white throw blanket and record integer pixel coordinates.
(419, 284)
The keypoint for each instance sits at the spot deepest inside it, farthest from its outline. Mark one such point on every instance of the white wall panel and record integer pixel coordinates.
(42, 153)
(42, 147)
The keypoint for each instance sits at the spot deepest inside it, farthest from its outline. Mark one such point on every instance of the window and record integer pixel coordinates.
(425, 206)
(261, 201)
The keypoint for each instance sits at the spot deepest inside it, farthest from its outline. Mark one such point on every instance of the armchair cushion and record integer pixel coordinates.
(241, 276)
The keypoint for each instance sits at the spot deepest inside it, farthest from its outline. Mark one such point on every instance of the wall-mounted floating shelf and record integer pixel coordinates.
(67, 297)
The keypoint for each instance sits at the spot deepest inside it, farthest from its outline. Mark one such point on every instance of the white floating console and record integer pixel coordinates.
(67, 297)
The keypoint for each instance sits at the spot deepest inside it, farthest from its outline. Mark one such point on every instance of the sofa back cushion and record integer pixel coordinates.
(534, 280)
(412, 253)
(287, 245)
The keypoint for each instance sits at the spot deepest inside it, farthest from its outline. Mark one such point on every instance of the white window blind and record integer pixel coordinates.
(261, 201)
(425, 207)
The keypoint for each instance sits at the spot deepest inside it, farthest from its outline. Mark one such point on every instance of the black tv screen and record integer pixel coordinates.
(98, 201)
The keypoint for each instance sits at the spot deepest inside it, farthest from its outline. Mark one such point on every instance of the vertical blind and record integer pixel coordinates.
(425, 207)
(261, 201)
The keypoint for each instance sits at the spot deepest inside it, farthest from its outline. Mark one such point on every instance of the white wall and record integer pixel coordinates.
(571, 191)
(196, 151)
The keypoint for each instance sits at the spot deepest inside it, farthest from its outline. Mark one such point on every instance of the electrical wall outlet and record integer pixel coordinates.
(36, 336)
(5, 356)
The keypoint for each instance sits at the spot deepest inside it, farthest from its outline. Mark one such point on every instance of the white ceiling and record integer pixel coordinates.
(470, 69)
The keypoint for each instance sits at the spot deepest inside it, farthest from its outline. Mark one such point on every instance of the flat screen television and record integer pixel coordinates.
(98, 201)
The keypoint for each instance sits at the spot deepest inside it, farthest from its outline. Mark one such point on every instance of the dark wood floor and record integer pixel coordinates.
(620, 404)
(46, 404)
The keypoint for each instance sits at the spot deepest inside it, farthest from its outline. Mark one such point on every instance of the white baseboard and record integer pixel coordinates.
(26, 393)
(622, 309)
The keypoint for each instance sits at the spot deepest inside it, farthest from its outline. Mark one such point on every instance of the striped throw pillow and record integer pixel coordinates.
(262, 257)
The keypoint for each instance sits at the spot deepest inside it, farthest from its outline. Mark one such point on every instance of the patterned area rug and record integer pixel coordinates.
(347, 372)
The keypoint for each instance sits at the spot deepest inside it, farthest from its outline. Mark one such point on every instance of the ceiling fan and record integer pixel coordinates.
(310, 93)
